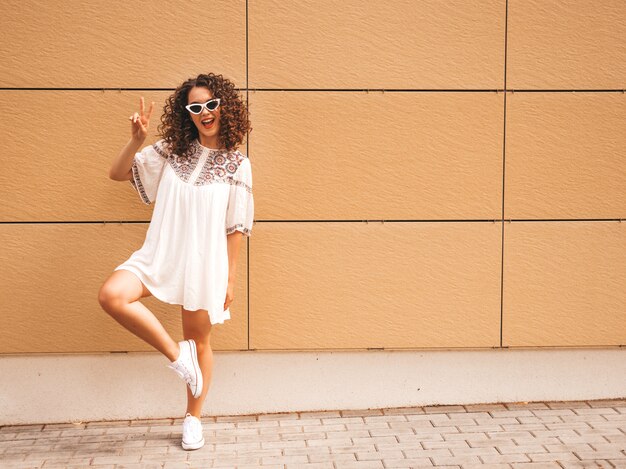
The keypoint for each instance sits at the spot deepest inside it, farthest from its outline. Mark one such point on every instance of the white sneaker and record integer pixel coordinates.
(192, 432)
(186, 366)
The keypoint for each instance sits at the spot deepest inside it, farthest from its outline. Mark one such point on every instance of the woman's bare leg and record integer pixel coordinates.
(119, 297)
(197, 326)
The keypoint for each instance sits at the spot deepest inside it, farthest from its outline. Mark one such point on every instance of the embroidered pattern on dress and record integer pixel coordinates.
(236, 182)
(184, 166)
(160, 151)
(220, 165)
(136, 182)
(238, 227)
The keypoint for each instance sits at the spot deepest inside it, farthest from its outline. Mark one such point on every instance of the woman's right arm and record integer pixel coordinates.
(121, 169)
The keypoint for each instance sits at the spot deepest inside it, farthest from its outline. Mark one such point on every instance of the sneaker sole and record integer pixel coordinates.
(197, 445)
(199, 383)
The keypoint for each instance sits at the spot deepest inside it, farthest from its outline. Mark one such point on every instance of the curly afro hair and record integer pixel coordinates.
(177, 128)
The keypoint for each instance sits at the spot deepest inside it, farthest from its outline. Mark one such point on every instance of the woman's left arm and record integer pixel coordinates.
(234, 243)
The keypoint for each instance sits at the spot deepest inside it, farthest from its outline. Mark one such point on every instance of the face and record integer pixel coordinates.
(207, 134)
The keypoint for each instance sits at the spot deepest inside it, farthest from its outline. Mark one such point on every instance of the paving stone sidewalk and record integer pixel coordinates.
(510, 435)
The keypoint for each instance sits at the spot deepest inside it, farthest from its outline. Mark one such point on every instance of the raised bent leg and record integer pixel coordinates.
(197, 326)
(119, 297)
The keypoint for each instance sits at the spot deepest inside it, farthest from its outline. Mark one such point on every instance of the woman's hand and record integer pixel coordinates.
(140, 122)
(230, 294)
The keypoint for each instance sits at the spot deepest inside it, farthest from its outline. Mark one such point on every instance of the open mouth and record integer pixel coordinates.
(208, 123)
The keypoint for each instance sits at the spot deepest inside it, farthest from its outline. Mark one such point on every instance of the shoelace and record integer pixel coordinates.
(186, 374)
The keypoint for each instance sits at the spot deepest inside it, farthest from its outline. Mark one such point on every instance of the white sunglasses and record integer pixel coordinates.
(197, 108)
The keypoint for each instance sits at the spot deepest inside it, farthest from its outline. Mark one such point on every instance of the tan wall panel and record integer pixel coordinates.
(569, 44)
(435, 155)
(338, 155)
(119, 43)
(57, 154)
(357, 285)
(356, 44)
(564, 284)
(565, 155)
(49, 283)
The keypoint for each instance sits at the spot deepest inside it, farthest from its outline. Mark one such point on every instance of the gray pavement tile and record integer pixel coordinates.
(537, 435)
(594, 463)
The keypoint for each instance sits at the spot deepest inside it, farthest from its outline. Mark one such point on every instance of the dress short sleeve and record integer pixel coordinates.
(147, 169)
(240, 210)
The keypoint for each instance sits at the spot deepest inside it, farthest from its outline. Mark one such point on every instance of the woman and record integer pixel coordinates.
(201, 186)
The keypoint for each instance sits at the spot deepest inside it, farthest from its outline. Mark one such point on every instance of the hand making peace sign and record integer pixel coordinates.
(140, 122)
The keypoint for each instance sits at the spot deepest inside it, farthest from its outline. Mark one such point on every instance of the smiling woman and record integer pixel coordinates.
(180, 128)
(201, 186)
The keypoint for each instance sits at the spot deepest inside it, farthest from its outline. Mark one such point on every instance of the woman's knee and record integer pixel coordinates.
(108, 295)
(121, 287)
(197, 326)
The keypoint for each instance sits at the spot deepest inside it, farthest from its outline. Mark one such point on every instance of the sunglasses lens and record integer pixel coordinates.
(195, 108)
(212, 105)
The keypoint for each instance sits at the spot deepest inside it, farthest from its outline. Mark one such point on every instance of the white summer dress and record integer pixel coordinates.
(197, 202)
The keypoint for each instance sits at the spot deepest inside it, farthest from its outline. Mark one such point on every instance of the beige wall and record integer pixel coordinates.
(425, 175)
